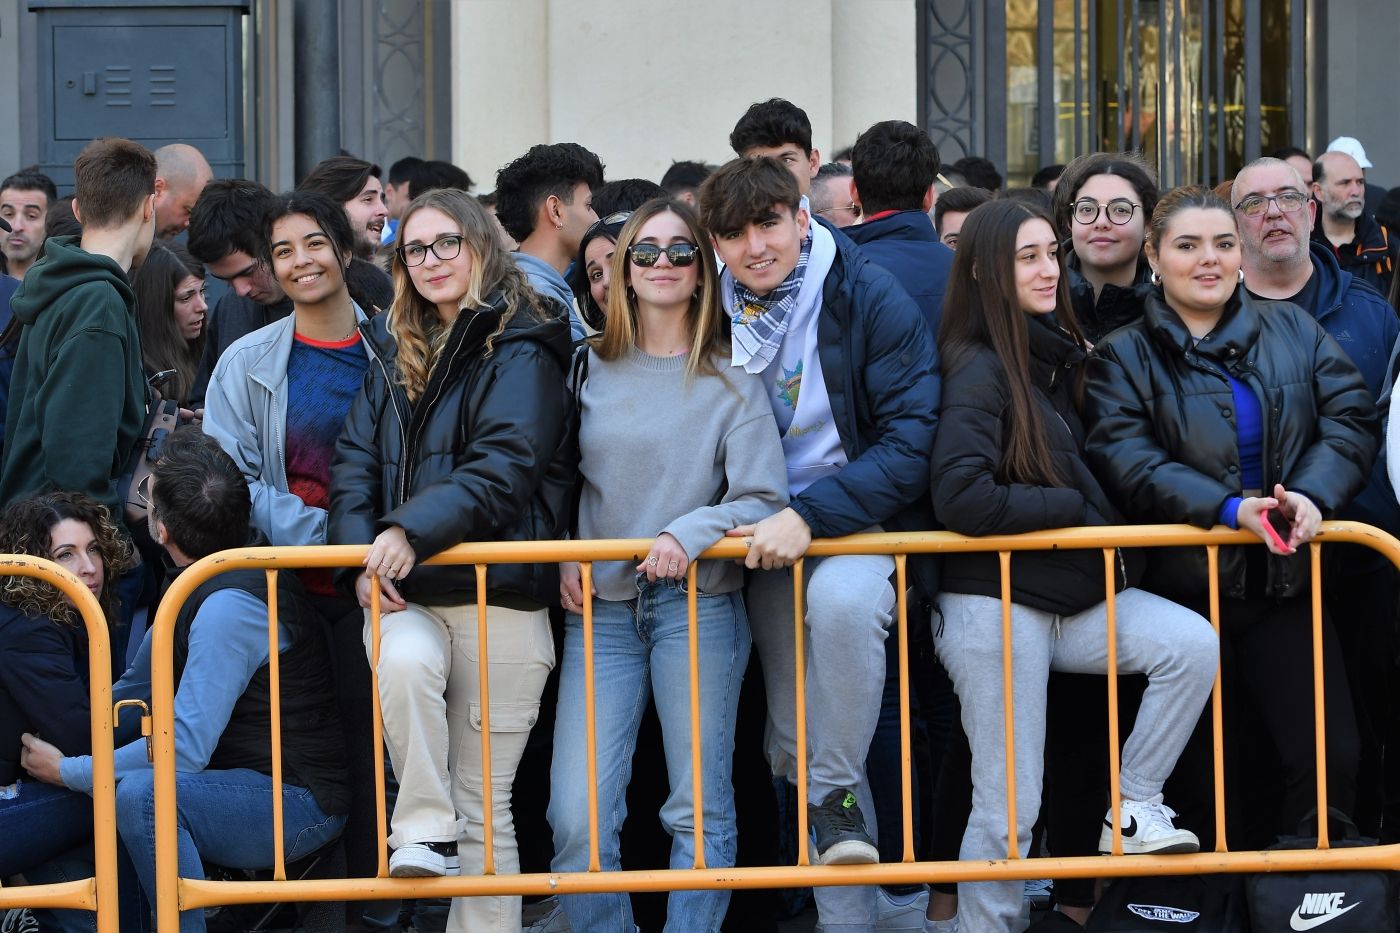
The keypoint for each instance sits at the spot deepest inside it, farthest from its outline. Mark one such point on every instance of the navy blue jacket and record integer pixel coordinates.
(881, 373)
(1366, 328)
(43, 686)
(906, 246)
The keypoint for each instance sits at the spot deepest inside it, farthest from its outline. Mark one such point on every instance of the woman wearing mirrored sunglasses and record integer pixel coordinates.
(460, 433)
(678, 447)
(1102, 204)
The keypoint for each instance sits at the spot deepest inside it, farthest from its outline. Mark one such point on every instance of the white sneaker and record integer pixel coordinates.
(1147, 828)
(941, 926)
(901, 912)
(424, 860)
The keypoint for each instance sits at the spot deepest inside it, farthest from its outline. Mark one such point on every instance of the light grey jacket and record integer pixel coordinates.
(245, 410)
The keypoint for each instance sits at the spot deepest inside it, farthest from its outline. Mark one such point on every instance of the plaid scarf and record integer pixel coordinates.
(761, 323)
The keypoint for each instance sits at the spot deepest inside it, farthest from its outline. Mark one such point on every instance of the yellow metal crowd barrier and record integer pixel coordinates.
(98, 893)
(176, 893)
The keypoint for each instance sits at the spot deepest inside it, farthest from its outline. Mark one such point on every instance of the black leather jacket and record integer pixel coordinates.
(486, 454)
(1162, 428)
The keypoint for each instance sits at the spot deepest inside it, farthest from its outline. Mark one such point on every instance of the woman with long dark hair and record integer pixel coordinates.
(1008, 458)
(718, 464)
(1219, 408)
(170, 312)
(460, 433)
(44, 680)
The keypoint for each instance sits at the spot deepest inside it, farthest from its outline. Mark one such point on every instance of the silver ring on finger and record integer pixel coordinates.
(652, 560)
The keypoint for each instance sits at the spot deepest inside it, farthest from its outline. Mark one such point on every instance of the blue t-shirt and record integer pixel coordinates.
(322, 381)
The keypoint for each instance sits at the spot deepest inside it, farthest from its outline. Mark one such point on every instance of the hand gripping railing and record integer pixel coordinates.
(175, 893)
(98, 893)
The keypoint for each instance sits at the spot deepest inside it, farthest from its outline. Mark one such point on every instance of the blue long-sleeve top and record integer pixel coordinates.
(228, 644)
(1249, 434)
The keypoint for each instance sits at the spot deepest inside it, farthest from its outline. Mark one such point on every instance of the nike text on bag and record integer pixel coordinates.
(1330, 901)
(1186, 903)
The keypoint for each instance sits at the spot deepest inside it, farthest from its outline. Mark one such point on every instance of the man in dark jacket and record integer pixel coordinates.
(895, 164)
(77, 394)
(854, 384)
(1346, 225)
(1281, 262)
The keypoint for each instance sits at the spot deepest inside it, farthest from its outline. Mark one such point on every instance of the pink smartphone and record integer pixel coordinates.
(1272, 532)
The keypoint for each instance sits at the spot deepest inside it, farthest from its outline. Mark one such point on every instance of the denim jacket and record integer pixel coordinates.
(245, 410)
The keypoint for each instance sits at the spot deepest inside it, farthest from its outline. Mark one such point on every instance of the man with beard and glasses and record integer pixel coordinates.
(1363, 247)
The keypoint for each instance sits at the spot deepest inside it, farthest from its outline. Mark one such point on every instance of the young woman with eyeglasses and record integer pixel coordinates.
(678, 447)
(460, 433)
(1102, 204)
(1219, 408)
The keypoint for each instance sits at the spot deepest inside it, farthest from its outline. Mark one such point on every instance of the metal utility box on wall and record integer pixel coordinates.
(156, 72)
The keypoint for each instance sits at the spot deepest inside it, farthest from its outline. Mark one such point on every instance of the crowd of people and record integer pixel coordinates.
(772, 350)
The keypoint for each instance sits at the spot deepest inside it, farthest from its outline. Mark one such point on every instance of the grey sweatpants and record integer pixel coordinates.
(1172, 645)
(849, 605)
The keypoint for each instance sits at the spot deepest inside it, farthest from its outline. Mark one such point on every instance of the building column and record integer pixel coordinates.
(316, 77)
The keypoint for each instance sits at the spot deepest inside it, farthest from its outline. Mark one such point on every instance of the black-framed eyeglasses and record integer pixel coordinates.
(853, 207)
(647, 254)
(444, 247)
(1288, 202)
(1119, 211)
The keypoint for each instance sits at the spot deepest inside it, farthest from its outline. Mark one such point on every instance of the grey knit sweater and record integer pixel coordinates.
(661, 454)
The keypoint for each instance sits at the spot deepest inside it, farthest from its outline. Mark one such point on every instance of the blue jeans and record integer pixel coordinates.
(639, 645)
(41, 823)
(223, 816)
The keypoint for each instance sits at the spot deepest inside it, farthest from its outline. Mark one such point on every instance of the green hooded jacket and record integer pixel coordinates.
(78, 394)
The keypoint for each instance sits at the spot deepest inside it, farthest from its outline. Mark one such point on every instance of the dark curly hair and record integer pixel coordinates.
(26, 527)
(523, 185)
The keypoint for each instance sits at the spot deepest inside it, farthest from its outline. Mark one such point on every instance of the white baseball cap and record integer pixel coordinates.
(1352, 147)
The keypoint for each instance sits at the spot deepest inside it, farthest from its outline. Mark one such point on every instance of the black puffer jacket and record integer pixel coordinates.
(1162, 429)
(1114, 306)
(486, 454)
(971, 498)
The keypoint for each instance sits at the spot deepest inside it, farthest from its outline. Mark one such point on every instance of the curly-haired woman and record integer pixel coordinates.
(44, 666)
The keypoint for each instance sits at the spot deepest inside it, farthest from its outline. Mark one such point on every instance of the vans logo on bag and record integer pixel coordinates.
(1164, 914)
(1321, 908)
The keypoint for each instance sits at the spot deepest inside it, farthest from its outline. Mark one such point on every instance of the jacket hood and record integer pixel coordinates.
(904, 225)
(63, 266)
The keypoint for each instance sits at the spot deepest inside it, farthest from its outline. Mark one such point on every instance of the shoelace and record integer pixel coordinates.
(1153, 815)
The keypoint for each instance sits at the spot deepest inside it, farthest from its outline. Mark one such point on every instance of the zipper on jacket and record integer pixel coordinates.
(389, 388)
(406, 468)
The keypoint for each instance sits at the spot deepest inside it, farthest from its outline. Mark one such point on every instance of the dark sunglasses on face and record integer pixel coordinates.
(647, 254)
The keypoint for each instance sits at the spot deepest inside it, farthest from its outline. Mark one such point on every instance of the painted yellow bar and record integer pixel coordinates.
(1115, 789)
(799, 624)
(274, 690)
(98, 893)
(906, 761)
(189, 893)
(697, 774)
(488, 828)
(1319, 700)
(1217, 709)
(1008, 698)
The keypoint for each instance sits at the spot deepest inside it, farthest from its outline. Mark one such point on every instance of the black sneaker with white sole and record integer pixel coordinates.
(838, 831)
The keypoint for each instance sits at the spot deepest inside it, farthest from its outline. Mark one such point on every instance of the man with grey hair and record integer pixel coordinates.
(833, 195)
(1281, 261)
(1364, 247)
(181, 174)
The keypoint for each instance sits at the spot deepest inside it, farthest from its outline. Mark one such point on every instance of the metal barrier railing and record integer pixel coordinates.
(98, 893)
(176, 893)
